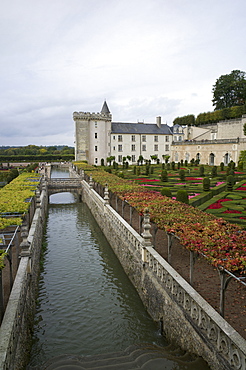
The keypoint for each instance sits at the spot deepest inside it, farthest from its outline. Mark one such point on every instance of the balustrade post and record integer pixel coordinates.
(224, 281)
(169, 246)
(106, 197)
(82, 174)
(37, 198)
(91, 181)
(147, 237)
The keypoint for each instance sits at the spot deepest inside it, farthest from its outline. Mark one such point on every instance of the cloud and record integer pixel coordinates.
(147, 58)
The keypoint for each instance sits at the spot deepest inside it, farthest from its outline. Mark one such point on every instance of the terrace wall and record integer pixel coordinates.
(186, 317)
(16, 328)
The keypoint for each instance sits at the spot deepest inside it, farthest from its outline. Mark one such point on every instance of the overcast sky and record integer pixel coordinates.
(147, 58)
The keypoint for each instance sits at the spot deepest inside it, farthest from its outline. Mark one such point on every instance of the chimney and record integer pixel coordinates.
(158, 121)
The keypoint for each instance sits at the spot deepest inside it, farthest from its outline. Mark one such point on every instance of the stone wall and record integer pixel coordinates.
(186, 317)
(17, 324)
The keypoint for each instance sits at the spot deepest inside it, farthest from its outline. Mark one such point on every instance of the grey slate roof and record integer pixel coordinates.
(140, 128)
(105, 109)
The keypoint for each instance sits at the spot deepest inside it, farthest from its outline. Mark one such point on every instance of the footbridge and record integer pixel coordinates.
(59, 185)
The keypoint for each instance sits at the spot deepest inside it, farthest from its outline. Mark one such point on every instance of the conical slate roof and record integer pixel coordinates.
(105, 109)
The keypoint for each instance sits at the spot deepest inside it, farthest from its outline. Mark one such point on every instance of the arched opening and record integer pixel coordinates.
(227, 158)
(211, 159)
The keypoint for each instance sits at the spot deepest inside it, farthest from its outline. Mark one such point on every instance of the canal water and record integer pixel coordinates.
(86, 304)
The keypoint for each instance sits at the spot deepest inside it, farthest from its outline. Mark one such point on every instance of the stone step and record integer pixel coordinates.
(145, 357)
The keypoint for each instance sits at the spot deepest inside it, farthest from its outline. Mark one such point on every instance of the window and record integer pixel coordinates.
(95, 160)
(95, 135)
(156, 138)
(133, 158)
(156, 147)
(119, 148)
(144, 138)
(180, 138)
(95, 148)
(144, 148)
(133, 147)
(167, 138)
(119, 158)
(167, 147)
(120, 138)
(133, 138)
(114, 137)
(96, 124)
(113, 147)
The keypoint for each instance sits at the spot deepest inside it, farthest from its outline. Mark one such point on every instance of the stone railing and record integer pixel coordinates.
(227, 342)
(198, 327)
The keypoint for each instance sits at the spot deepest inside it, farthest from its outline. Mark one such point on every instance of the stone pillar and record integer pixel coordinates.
(82, 174)
(91, 181)
(106, 197)
(146, 235)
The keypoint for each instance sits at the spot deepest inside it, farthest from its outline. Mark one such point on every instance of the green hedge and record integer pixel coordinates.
(37, 158)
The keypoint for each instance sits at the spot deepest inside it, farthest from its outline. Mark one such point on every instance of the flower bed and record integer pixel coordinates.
(223, 244)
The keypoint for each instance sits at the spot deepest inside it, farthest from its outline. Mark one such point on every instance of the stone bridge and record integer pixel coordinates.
(59, 185)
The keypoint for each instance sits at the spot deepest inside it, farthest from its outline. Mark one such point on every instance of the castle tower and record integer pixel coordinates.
(92, 135)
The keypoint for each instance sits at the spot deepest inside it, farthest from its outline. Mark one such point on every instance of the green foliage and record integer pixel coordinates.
(188, 120)
(201, 170)
(147, 170)
(134, 170)
(164, 177)
(166, 192)
(182, 196)
(206, 184)
(230, 90)
(102, 162)
(230, 182)
(182, 175)
(222, 166)
(214, 171)
(173, 166)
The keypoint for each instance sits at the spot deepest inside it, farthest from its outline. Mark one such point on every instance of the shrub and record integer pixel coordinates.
(230, 183)
(178, 165)
(164, 177)
(147, 170)
(206, 184)
(214, 171)
(182, 175)
(166, 192)
(168, 166)
(222, 166)
(201, 170)
(138, 171)
(134, 170)
(173, 166)
(102, 162)
(182, 196)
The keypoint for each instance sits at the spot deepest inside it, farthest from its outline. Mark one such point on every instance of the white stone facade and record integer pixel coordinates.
(97, 137)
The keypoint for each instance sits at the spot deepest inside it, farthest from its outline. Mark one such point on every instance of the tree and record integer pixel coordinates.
(229, 90)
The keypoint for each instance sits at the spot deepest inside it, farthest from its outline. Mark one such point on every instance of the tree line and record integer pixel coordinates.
(229, 100)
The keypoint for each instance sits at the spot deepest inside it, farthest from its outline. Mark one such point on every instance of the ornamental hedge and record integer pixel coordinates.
(222, 243)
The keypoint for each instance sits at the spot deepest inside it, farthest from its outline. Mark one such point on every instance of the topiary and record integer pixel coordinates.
(182, 196)
(222, 166)
(201, 170)
(206, 184)
(230, 183)
(182, 175)
(214, 171)
(166, 192)
(164, 177)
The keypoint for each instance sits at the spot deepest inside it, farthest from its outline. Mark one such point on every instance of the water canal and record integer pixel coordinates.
(86, 305)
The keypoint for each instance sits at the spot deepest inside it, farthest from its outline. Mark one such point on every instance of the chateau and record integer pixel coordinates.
(97, 138)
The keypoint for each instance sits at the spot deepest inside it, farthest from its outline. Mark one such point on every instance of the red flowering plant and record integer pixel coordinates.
(222, 243)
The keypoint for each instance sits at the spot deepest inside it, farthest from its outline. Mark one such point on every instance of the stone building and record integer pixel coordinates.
(212, 144)
(97, 137)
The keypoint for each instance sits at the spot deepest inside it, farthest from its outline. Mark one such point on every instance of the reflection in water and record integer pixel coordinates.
(87, 305)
